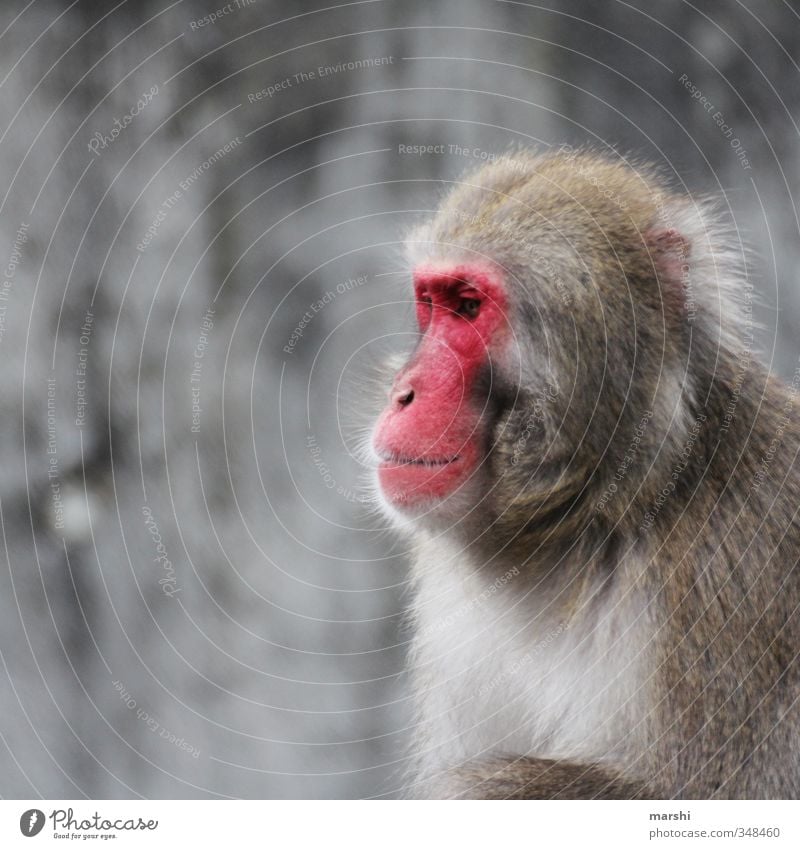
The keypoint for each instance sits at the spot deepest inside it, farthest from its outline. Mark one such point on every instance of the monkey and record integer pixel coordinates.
(600, 487)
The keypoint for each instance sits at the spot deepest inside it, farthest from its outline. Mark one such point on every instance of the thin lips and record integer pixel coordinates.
(399, 460)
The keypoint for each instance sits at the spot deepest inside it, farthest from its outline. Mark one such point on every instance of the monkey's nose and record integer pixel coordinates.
(402, 395)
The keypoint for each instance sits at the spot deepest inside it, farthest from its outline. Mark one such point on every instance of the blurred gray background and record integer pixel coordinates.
(199, 241)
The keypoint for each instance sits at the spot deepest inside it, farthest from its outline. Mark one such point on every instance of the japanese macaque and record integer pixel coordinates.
(601, 485)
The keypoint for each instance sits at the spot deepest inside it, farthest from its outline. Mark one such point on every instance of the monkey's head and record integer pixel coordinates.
(561, 302)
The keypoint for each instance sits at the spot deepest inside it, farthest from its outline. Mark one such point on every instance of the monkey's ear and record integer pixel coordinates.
(701, 266)
(669, 251)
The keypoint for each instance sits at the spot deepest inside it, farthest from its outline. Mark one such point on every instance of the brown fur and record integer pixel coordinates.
(529, 778)
(593, 251)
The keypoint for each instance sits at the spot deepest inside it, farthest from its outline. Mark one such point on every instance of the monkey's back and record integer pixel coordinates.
(727, 564)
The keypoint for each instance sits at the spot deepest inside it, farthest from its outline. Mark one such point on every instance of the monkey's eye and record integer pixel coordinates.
(469, 307)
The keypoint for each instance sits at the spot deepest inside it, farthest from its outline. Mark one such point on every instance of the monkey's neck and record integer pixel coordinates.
(556, 579)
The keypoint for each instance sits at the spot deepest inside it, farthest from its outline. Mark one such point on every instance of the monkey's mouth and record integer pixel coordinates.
(409, 481)
(389, 458)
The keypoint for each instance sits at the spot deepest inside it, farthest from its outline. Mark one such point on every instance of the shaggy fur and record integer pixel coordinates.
(613, 612)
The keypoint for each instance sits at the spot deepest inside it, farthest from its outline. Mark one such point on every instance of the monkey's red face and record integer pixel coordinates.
(431, 436)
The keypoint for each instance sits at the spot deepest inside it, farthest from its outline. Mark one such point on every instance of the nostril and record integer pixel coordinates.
(403, 397)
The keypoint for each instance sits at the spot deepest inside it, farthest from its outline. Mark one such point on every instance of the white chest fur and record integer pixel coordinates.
(498, 670)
